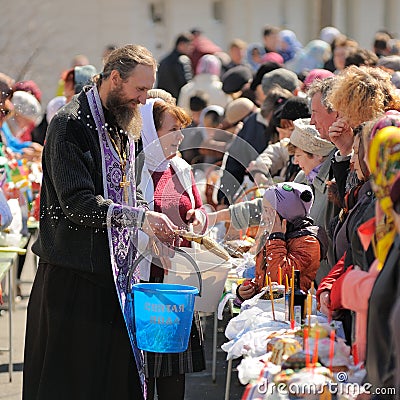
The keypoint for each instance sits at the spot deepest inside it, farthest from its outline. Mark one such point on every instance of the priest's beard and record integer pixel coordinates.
(128, 118)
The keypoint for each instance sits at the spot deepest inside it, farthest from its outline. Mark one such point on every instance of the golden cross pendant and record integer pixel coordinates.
(125, 184)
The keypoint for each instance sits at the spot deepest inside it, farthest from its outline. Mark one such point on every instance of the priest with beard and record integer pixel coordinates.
(80, 340)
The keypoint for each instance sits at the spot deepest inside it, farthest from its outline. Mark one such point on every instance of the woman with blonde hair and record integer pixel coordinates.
(361, 94)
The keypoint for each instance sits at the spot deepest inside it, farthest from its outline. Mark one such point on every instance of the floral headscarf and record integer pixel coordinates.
(390, 118)
(384, 163)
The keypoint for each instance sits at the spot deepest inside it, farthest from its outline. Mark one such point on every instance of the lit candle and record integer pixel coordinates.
(286, 283)
(271, 296)
(331, 348)
(309, 306)
(315, 354)
(292, 299)
(280, 275)
(306, 348)
(355, 354)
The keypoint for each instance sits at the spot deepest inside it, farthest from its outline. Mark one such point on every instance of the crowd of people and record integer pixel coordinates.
(132, 153)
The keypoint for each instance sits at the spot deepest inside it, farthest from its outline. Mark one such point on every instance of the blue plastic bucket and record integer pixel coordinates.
(163, 316)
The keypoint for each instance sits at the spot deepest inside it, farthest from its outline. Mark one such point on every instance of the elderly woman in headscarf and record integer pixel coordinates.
(168, 185)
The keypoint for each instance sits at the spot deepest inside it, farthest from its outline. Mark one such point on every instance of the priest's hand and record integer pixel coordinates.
(159, 226)
(160, 229)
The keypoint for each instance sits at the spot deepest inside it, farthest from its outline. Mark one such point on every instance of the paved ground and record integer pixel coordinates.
(198, 385)
(12, 391)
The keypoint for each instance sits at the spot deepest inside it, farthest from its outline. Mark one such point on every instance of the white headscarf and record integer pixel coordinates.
(153, 152)
(218, 109)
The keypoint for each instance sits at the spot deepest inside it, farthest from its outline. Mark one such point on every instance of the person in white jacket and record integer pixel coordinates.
(206, 80)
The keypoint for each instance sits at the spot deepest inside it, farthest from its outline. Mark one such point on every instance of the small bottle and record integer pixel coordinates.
(287, 305)
(299, 299)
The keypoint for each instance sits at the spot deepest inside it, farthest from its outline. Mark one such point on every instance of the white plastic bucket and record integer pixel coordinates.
(214, 272)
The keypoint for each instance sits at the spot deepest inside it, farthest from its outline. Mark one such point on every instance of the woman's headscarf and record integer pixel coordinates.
(313, 56)
(217, 109)
(293, 44)
(249, 59)
(391, 118)
(384, 164)
(153, 152)
(209, 64)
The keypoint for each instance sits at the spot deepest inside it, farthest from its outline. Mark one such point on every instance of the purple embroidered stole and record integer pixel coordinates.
(122, 240)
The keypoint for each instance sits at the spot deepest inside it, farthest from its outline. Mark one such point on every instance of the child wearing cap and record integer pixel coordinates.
(292, 239)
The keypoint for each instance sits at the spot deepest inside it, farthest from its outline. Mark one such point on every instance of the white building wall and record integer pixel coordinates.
(301, 17)
(392, 15)
(367, 17)
(53, 31)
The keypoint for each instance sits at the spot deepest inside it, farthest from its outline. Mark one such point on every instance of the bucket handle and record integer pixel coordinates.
(176, 249)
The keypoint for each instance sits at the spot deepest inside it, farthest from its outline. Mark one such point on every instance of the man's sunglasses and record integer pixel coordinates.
(4, 112)
(5, 95)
